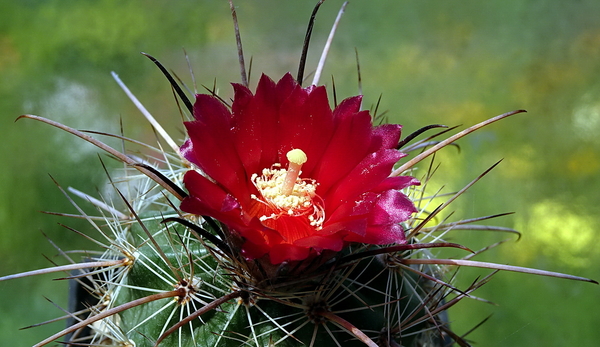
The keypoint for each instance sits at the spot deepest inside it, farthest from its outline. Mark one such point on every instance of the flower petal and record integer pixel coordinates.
(307, 124)
(205, 196)
(391, 207)
(211, 133)
(398, 182)
(286, 252)
(348, 146)
(380, 235)
(386, 136)
(246, 130)
(366, 175)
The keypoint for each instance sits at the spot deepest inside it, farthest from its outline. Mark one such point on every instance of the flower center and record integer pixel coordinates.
(285, 193)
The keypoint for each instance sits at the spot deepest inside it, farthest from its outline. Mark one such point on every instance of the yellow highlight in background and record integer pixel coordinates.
(558, 232)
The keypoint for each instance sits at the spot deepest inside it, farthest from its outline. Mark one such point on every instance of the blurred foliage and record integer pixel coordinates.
(433, 61)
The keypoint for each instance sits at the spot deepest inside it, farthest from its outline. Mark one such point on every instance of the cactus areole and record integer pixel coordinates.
(291, 178)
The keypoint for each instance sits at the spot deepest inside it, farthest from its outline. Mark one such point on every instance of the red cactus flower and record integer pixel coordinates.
(289, 176)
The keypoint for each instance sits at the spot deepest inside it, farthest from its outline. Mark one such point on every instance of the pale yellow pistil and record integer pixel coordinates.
(296, 158)
(287, 194)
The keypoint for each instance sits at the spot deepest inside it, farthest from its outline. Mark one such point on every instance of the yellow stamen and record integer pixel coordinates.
(284, 193)
(296, 157)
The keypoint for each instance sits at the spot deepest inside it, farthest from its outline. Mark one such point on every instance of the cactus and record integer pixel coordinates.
(231, 262)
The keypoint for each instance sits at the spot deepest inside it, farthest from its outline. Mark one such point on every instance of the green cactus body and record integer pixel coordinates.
(373, 296)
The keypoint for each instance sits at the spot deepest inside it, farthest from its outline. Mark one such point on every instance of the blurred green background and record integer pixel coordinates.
(450, 62)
